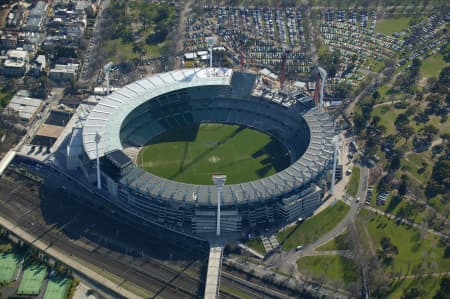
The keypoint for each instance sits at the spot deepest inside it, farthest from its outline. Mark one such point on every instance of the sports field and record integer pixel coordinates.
(57, 288)
(193, 154)
(8, 266)
(32, 279)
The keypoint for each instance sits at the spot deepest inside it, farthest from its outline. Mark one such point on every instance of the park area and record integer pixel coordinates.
(57, 288)
(192, 154)
(313, 228)
(333, 267)
(8, 266)
(392, 25)
(32, 279)
(414, 246)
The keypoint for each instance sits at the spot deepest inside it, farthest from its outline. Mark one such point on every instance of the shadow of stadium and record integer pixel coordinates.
(78, 221)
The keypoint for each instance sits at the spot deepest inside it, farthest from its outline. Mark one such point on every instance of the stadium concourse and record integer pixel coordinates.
(132, 116)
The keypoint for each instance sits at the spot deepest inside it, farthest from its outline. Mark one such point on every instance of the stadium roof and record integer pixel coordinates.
(312, 163)
(107, 117)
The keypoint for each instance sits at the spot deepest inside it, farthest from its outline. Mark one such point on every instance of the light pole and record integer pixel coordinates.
(219, 181)
(97, 141)
(211, 41)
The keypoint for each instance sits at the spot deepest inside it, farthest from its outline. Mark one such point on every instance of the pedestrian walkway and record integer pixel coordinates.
(213, 273)
(248, 249)
(6, 160)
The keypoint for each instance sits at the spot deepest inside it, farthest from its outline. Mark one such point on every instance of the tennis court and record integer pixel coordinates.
(57, 288)
(32, 279)
(8, 266)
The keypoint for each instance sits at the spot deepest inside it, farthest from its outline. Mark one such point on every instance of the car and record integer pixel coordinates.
(357, 199)
(299, 247)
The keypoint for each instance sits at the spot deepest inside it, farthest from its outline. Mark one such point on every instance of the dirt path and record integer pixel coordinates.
(180, 32)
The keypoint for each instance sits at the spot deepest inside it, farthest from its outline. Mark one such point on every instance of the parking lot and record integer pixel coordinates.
(254, 36)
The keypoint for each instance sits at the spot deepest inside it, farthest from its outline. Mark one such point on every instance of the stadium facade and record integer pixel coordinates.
(130, 117)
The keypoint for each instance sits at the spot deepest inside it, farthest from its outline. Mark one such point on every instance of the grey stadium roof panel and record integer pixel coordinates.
(108, 115)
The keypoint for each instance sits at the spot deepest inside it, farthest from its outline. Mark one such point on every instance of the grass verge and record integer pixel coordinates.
(313, 228)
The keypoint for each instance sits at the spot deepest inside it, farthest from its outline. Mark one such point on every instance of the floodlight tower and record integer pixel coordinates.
(97, 141)
(219, 181)
(106, 70)
(211, 41)
(335, 142)
(323, 77)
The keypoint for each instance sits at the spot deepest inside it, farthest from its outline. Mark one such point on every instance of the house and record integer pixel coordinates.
(64, 72)
(16, 63)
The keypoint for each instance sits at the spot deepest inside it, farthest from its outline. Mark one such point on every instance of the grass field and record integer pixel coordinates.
(32, 279)
(427, 287)
(414, 247)
(432, 66)
(193, 154)
(257, 245)
(8, 266)
(336, 268)
(341, 242)
(314, 227)
(391, 25)
(353, 184)
(57, 288)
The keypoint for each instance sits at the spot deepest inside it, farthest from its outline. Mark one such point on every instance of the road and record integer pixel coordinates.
(180, 33)
(286, 261)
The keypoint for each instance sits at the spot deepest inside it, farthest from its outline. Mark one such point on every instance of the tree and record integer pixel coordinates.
(401, 120)
(395, 163)
(407, 132)
(403, 187)
(444, 290)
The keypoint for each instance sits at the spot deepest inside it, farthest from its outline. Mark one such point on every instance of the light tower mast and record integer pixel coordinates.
(106, 71)
(97, 141)
(219, 181)
(323, 78)
(211, 41)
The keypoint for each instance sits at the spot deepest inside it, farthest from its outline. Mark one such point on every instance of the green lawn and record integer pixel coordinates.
(412, 251)
(8, 266)
(257, 245)
(412, 163)
(117, 51)
(432, 66)
(341, 242)
(57, 288)
(391, 25)
(314, 227)
(387, 116)
(427, 287)
(336, 268)
(193, 154)
(32, 279)
(353, 184)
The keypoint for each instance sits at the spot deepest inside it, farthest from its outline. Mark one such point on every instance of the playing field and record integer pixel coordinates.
(193, 154)
(32, 279)
(8, 266)
(57, 288)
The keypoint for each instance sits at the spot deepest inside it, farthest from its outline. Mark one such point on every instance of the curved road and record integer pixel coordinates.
(286, 261)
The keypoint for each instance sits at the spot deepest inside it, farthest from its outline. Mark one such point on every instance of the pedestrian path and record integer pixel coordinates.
(213, 273)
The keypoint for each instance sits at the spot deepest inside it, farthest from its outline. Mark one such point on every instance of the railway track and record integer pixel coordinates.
(160, 279)
(26, 209)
